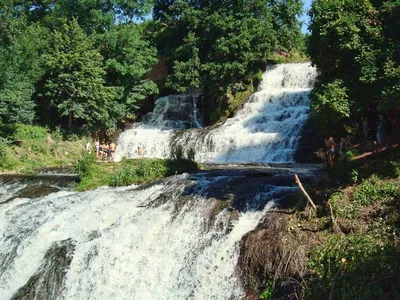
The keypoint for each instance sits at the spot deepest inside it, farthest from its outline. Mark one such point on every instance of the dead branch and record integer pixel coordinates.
(298, 182)
(334, 224)
(342, 263)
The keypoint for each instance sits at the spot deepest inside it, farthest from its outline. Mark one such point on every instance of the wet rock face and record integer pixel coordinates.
(32, 186)
(48, 282)
(309, 142)
(269, 253)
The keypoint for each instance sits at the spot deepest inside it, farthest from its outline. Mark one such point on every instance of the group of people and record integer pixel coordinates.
(377, 128)
(104, 151)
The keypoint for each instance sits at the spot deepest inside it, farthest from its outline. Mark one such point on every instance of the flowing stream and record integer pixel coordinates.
(177, 238)
(265, 130)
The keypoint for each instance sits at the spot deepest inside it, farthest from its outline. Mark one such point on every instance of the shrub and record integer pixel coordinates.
(7, 160)
(57, 134)
(133, 172)
(29, 132)
(86, 166)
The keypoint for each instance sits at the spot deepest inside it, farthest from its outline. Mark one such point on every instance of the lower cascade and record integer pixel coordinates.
(175, 239)
(265, 130)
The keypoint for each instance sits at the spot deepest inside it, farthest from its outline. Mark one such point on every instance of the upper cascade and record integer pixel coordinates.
(266, 129)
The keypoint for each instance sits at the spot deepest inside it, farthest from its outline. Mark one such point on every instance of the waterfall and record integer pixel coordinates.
(265, 130)
(176, 239)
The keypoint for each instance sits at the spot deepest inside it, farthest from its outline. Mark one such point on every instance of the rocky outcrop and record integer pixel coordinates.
(308, 144)
(273, 252)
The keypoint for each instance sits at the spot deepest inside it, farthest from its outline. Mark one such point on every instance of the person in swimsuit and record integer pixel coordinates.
(112, 147)
(97, 144)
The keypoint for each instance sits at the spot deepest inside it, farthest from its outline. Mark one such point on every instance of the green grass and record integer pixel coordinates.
(135, 171)
(28, 148)
(366, 206)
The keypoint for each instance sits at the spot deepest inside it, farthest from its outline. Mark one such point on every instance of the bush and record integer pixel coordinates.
(57, 134)
(23, 132)
(7, 160)
(145, 170)
(86, 166)
(30, 132)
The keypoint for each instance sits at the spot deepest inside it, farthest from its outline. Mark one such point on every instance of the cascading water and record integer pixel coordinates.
(265, 130)
(176, 239)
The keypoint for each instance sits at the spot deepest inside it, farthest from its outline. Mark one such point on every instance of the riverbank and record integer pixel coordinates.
(27, 149)
(348, 248)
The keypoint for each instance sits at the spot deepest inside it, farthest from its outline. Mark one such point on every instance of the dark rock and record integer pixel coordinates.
(308, 145)
(49, 281)
(271, 252)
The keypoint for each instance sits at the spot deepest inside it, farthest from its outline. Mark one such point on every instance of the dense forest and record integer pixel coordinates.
(98, 64)
(356, 47)
(87, 64)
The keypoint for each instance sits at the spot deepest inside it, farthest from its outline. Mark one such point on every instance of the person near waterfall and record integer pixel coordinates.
(330, 149)
(112, 148)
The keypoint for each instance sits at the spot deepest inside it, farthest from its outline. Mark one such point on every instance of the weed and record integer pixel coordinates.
(375, 189)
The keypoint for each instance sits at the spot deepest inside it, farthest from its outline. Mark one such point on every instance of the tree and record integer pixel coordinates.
(74, 82)
(20, 68)
(217, 45)
(128, 58)
(357, 44)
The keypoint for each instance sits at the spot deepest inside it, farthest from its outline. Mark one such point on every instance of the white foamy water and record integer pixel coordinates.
(128, 244)
(265, 130)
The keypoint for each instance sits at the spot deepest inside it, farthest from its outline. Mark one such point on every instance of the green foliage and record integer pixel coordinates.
(355, 44)
(29, 132)
(23, 132)
(86, 166)
(369, 271)
(74, 77)
(7, 161)
(330, 99)
(73, 62)
(354, 176)
(146, 170)
(217, 45)
(57, 134)
(375, 189)
(128, 57)
(268, 292)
